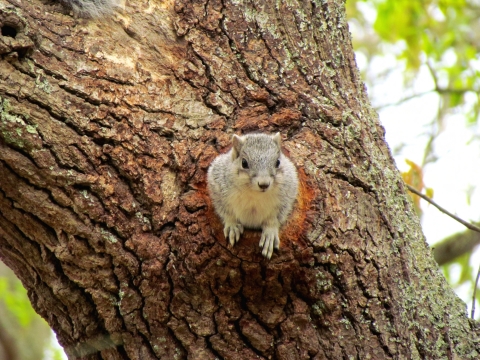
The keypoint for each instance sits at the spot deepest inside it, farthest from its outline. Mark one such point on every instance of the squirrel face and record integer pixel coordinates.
(257, 161)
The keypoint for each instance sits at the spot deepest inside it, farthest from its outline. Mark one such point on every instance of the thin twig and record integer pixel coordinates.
(468, 225)
(424, 197)
(405, 99)
(475, 292)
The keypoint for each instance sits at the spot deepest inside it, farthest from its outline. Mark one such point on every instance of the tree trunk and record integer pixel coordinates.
(107, 129)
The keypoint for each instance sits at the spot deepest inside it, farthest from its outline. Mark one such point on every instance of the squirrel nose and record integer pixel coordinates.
(263, 186)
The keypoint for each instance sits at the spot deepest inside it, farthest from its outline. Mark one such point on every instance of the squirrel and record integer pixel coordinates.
(91, 8)
(254, 185)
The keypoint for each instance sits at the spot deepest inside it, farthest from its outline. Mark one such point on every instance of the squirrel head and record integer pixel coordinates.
(258, 160)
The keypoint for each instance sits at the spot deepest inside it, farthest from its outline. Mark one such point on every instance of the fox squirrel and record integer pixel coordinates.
(254, 185)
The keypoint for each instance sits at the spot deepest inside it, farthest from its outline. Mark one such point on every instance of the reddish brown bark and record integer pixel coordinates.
(107, 130)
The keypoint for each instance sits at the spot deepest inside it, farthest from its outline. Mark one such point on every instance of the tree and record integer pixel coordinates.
(436, 51)
(107, 130)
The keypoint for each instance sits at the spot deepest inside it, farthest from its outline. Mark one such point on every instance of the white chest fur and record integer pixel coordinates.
(254, 208)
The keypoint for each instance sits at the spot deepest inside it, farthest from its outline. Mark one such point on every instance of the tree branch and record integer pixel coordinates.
(455, 245)
(426, 198)
(468, 225)
(475, 292)
(405, 99)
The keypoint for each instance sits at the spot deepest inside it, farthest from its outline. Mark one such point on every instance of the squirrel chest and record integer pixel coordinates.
(253, 208)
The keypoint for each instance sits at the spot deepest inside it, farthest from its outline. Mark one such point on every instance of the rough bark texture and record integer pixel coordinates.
(107, 129)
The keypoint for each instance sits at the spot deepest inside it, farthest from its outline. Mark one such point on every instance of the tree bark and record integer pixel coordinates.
(107, 129)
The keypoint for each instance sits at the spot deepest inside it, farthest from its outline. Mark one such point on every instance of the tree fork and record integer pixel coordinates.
(107, 129)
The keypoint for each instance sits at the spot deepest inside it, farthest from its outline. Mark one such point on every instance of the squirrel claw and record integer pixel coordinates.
(232, 232)
(269, 241)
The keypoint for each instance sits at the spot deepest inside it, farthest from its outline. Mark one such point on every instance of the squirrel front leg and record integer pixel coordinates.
(270, 239)
(232, 229)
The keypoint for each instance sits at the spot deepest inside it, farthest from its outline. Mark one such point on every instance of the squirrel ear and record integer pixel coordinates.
(278, 139)
(237, 142)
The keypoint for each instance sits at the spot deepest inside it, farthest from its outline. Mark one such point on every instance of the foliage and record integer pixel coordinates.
(414, 177)
(441, 37)
(14, 295)
(31, 334)
(466, 275)
(444, 35)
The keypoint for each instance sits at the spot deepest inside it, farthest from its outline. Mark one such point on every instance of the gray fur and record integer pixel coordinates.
(260, 197)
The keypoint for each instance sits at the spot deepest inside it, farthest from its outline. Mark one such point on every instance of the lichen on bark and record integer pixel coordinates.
(107, 129)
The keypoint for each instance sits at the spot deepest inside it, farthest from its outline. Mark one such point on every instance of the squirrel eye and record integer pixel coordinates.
(244, 164)
(277, 164)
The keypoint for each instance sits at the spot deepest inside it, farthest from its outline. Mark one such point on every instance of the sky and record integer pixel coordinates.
(456, 172)
(453, 175)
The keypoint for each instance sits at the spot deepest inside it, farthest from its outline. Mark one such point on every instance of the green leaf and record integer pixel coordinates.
(14, 295)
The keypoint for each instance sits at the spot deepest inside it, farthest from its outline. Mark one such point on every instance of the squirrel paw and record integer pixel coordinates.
(269, 241)
(232, 232)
